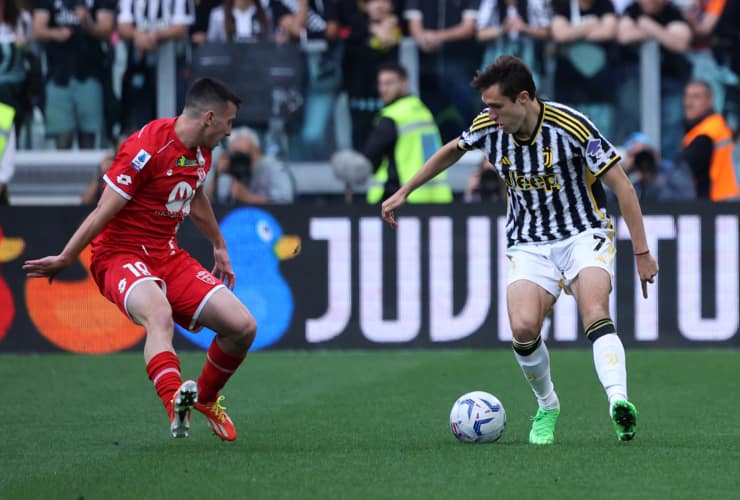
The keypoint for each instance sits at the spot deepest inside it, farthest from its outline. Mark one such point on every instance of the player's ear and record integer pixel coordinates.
(209, 117)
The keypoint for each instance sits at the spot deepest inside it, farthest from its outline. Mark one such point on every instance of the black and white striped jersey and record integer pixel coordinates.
(552, 179)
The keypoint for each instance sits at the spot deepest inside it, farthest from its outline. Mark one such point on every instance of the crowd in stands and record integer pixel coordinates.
(85, 70)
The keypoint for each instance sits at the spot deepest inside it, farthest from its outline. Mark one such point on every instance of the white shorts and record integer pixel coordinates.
(554, 266)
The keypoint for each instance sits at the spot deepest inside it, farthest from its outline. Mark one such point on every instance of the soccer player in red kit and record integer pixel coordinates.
(155, 182)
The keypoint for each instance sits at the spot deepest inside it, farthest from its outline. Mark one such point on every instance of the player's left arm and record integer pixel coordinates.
(201, 212)
(617, 181)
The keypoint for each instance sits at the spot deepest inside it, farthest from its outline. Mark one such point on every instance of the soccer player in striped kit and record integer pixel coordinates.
(553, 161)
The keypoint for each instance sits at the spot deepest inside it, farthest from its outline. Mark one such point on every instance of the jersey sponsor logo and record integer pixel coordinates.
(124, 180)
(548, 182)
(141, 159)
(186, 162)
(206, 277)
(594, 150)
(178, 202)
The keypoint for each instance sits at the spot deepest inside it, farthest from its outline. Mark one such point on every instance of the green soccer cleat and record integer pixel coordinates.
(543, 426)
(624, 416)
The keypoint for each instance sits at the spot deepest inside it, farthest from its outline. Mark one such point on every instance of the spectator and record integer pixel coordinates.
(201, 18)
(514, 27)
(445, 30)
(703, 16)
(15, 30)
(315, 24)
(726, 48)
(75, 36)
(239, 21)
(372, 41)
(244, 174)
(585, 31)
(145, 26)
(484, 185)
(708, 145)
(7, 150)
(404, 138)
(657, 20)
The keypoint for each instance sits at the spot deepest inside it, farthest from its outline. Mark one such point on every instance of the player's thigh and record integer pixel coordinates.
(200, 299)
(591, 289)
(147, 305)
(226, 315)
(593, 248)
(59, 110)
(89, 104)
(533, 286)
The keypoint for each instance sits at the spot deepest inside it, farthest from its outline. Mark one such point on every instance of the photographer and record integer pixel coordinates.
(245, 175)
(484, 184)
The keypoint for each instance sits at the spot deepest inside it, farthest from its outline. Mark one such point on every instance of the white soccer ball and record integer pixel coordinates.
(477, 417)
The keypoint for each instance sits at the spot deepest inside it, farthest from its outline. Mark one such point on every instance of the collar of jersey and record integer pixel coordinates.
(537, 129)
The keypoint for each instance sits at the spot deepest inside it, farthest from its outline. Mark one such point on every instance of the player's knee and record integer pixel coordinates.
(246, 330)
(525, 329)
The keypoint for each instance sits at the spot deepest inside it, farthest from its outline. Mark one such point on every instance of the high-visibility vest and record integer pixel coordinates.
(417, 139)
(722, 179)
(7, 114)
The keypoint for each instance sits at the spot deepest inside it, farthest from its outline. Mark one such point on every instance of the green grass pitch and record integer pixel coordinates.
(335, 425)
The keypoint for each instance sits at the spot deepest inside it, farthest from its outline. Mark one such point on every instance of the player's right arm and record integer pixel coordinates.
(109, 205)
(437, 163)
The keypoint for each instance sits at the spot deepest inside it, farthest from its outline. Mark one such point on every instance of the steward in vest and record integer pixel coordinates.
(402, 140)
(7, 150)
(708, 145)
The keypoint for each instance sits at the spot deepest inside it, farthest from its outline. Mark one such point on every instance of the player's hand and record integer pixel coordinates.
(647, 268)
(389, 205)
(46, 267)
(222, 268)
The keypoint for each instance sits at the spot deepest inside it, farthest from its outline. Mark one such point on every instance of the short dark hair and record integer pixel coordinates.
(394, 68)
(206, 93)
(512, 75)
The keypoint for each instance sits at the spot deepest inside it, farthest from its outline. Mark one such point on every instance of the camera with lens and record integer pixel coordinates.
(489, 187)
(240, 166)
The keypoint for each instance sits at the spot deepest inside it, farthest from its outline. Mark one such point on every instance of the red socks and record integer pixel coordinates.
(218, 369)
(164, 371)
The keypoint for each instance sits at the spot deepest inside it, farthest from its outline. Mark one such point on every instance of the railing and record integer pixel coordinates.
(54, 177)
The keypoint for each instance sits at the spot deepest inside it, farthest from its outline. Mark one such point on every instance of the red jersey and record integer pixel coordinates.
(159, 175)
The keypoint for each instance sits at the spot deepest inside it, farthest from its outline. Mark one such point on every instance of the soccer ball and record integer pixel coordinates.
(477, 417)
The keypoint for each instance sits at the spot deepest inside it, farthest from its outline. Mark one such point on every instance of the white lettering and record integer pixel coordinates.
(444, 326)
(337, 232)
(690, 322)
(408, 256)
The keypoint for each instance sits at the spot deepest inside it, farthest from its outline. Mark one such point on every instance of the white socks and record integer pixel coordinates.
(611, 367)
(536, 368)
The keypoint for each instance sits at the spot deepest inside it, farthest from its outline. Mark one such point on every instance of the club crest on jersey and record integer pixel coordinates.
(206, 277)
(547, 156)
(186, 162)
(593, 149)
(141, 158)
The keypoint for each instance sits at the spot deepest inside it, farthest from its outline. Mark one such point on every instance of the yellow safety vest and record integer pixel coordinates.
(7, 114)
(417, 139)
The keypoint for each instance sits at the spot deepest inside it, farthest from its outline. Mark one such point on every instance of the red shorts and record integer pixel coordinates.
(187, 285)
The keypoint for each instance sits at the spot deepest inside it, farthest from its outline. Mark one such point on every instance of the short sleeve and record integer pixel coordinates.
(129, 170)
(474, 136)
